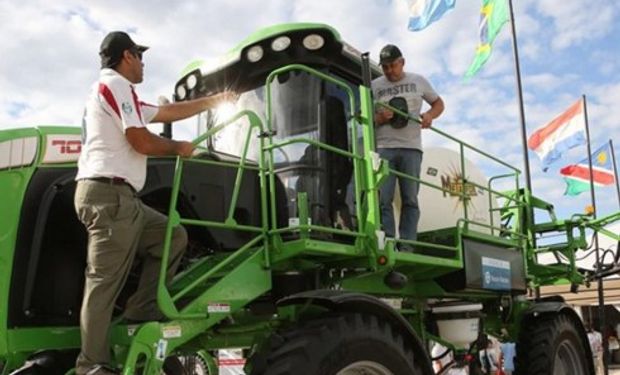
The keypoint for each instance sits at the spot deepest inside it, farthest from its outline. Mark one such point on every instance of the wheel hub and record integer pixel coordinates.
(365, 368)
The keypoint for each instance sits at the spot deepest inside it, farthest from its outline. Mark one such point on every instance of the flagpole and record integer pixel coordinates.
(529, 211)
(613, 160)
(526, 159)
(601, 296)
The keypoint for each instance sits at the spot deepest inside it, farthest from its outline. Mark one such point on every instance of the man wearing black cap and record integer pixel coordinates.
(399, 140)
(111, 170)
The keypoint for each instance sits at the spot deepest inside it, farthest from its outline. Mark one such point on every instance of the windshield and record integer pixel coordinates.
(295, 112)
(231, 139)
(303, 107)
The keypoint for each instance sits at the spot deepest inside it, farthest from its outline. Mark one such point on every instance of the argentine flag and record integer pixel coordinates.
(424, 12)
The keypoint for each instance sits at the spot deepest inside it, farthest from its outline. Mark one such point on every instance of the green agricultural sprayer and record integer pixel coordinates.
(286, 260)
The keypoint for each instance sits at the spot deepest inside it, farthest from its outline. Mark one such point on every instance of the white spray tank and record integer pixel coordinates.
(442, 209)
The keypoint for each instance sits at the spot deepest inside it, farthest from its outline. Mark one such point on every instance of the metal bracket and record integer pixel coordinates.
(266, 134)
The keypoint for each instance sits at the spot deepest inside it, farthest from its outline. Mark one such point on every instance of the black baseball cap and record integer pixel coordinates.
(113, 46)
(389, 53)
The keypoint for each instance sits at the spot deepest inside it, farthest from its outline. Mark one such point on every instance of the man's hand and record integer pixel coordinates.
(426, 120)
(383, 116)
(185, 149)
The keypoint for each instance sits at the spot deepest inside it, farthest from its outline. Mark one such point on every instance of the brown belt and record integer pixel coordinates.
(112, 181)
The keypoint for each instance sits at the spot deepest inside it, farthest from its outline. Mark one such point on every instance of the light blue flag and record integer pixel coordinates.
(424, 12)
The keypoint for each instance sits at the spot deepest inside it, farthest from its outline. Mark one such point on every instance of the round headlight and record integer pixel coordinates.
(255, 53)
(192, 81)
(181, 92)
(313, 42)
(280, 43)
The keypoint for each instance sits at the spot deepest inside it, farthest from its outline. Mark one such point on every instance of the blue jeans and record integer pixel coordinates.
(408, 161)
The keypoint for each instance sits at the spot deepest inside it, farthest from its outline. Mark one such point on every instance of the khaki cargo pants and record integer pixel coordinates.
(120, 227)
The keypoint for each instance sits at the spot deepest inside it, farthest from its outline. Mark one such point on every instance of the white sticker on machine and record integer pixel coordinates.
(162, 345)
(171, 332)
(222, 308)
(230, 362)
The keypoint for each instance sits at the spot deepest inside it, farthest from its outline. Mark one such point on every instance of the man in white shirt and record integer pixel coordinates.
(596, 345)
(111, 170)
(489, 358)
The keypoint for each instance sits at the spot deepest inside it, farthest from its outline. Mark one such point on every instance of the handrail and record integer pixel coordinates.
(356, 157)
(312, 142)
(323, 229)
(268, 167)
(404, 175)
(205, 276)
(450, 137)
(468, 222)
(224, 164)
(507, 197)
(462, 146)
(164, 299)
(425, 244)
(254, 121)
(354, 154)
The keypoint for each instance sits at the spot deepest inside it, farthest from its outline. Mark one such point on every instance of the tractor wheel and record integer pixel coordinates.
(553, 345)
(351, 344)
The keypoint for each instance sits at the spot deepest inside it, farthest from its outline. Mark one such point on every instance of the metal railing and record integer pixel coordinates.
(267, 173)
(165, 299)
(354, 154)
(516, 199)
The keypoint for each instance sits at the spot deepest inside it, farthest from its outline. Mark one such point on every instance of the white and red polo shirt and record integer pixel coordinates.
(112, 108)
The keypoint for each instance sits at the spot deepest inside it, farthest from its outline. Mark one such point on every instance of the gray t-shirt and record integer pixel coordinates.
(414, 88)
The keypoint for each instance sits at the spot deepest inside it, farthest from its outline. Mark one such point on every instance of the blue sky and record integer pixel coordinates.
(568, 48)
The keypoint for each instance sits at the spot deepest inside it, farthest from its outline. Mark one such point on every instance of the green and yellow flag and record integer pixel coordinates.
(493, 15)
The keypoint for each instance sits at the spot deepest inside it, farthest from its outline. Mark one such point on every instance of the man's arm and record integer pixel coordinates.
(435, 111)
(178, 111)
(147, 143)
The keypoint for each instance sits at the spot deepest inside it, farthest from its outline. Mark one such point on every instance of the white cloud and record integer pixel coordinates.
(544, 81)
(604, 112)
(576, 22)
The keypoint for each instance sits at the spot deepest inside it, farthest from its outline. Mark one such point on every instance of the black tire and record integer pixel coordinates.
(173, 366)
(329, 346)
(553, 344)
(187, 365)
